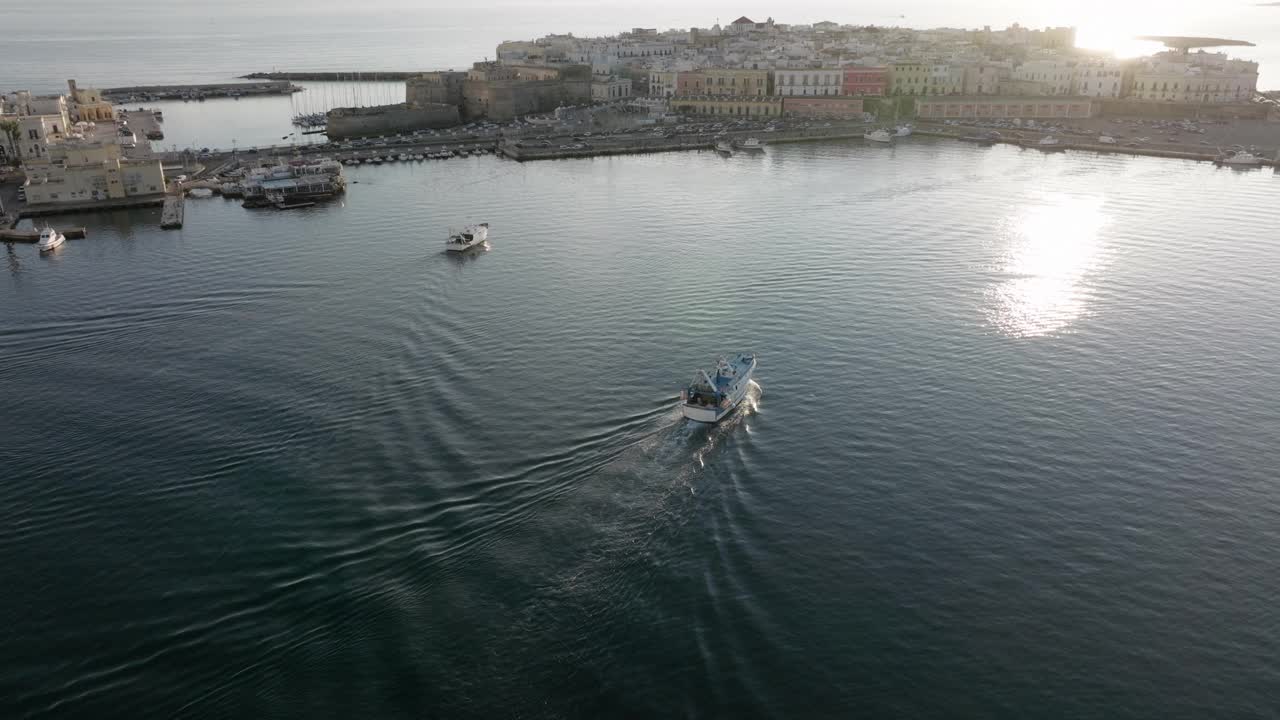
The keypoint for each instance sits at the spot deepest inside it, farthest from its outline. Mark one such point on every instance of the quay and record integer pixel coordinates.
(31, 236)
(171, 215)
(137, 201)
(139, 93)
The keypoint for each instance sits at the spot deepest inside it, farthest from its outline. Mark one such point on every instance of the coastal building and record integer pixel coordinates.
(500, 92)
(79, 170)
(832, 108)
(984, 78)
(1194, 78)
(743, 106)
(909, 78)
(1101, 78)
(859, 80)
(443, 87)
(87, 105)
(663, 84)
(816, 81)
(37, 132)
(732, 81)
(606, 88)
(969, 107)
(1045, 77)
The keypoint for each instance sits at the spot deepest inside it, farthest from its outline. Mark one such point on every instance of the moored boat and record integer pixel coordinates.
(878, 136)
(751, 145)
(469, 237)
(1239, 158)
(723, 147)
(50, 239)
(713, 395)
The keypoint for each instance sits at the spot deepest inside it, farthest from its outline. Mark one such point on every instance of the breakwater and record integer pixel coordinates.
(375, 76)
(139, 93)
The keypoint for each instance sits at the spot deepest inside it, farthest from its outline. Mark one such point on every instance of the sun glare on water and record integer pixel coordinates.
(1042, 275)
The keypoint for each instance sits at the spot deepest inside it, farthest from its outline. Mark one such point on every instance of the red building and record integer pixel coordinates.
(817, 106)
(865, 81)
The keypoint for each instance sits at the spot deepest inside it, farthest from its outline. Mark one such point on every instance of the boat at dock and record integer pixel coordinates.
(1050, 143)
(751, 145)
(878, 136)
(50, 239)
(724, 148)
(469, 237)
(713, 395)
(904, 131)
(1238, 158)
(296, 182)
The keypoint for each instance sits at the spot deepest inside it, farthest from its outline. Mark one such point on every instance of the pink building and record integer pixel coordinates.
(865, 80)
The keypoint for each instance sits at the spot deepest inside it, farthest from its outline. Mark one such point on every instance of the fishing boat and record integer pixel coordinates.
(50, 239)
(469, 237)
(878, 136)
(1050, 143)
(751, 145)
(1239, 158)
(713, 395)
(723, 147)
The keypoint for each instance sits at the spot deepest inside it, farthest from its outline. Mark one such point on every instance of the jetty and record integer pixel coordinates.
(171, 215)
(347, 76)
(31, 236)
(139, 93)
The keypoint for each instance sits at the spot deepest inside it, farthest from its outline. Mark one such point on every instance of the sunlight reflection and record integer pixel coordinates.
(1051, 250)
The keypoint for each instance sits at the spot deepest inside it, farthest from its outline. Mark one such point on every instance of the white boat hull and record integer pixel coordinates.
(462, 247)
(734, 397)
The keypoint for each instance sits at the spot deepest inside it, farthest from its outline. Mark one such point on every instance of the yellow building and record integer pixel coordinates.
(909, 78)
(86, 170)
(724, 81)
(87, 104)
(764, 106)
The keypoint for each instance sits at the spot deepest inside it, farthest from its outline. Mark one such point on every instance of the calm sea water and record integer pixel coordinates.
(1012, 452)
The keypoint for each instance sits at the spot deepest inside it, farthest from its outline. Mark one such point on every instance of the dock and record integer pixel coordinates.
(31, 236)
(136, 201)
(138, 93)
(171, 215)
(350, 76)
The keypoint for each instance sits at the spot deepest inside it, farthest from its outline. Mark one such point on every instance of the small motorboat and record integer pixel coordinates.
(878, 136)
(723, 147)
(711, 396)
(1050, 143)
(1239, 158)
(470, 237)
(904, 131)
(751, 145)
(50, 239)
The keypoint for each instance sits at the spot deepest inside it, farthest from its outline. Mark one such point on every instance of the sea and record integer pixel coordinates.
(1010, 451)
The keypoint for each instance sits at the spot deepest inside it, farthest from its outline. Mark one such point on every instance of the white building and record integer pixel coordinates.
(663, 83)
(605, 88)
(1098, 78)
(813, 81)
(75, 170)
(1053, 77)
(1195, 78)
